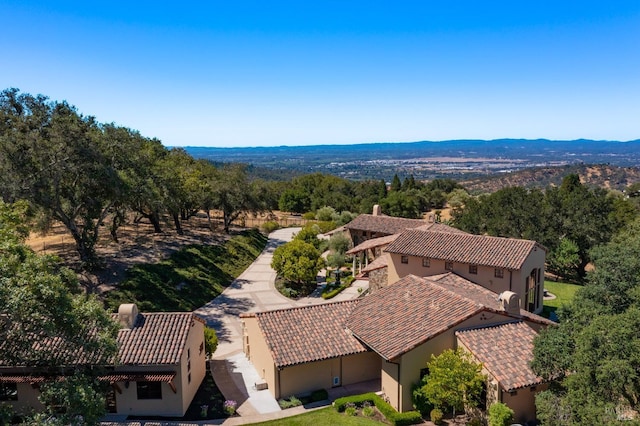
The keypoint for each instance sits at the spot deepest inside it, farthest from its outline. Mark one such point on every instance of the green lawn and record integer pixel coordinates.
(323, 417)
(564, 293)
(190, 278)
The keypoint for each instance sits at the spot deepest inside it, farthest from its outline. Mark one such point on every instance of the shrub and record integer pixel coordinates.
(368, 411)
(210, 341)
(395, 418)
(500, 414)
(330, 292)
(350, 410)
(476, 421)
(436, 415)
(309, 216)
(420, 401)
(270, 226)
(230, 407)
(326, 214)
(289, 403)
(319, 395)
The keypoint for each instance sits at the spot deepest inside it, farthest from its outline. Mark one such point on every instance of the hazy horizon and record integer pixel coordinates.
(283, 73)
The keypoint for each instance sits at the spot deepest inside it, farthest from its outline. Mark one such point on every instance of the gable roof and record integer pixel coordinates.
(156, 338)
(468, 289)
(373, 243)
(402, 316)
(383, 224)
(498, 252)
(505, 351)
(309, 333)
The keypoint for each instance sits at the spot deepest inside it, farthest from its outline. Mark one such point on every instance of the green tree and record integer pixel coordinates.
(309, 234)
(339, 242)
(402, 204)
(41, 301)
(234, 194)
(454, 380)
(396, 185)
(294, 200)
(298, 263)
(597, 340)
(565, 260)
(52, 157)
(500, 414)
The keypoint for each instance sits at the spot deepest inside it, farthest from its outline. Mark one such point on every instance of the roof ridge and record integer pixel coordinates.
(467, 235)
(295, 308)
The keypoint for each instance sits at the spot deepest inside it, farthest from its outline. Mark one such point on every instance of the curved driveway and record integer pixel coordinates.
(254, 290)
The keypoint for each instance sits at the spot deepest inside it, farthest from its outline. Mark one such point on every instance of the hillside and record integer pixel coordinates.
(604, 176)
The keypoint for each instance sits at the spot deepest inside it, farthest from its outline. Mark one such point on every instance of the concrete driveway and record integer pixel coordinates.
(254, 290)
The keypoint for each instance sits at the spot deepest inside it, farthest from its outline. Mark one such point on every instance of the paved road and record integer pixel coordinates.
(252, 291)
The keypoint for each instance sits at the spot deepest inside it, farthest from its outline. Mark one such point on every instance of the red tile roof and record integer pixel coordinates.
(138, 377)
(402, 316)
(309, 333)
(505, 351)
(382, 224)
(465, 288)
(156, 338)
(373, 243)
(378, 263)
(508, 253)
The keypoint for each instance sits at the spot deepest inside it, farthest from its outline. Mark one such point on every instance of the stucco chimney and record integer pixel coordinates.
(377, 211)
(127, 314)
(431, 218)
(510, 302)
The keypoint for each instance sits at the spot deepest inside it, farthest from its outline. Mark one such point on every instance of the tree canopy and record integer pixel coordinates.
(594, 352)
(41, 303)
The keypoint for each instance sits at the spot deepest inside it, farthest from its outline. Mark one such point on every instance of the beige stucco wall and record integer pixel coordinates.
(512, 280)
(523, 402)
(389, 382)
(534, 261)
(27, 399)
(360, 367)
(257, 351)
(412, 362)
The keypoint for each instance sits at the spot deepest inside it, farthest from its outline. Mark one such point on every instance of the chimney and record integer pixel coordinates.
(127, 314)
(510, 302)
(431, 218)
(377, 211)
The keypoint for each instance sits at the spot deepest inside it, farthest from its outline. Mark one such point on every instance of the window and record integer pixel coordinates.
(201, 348)
(498, 273)
(189, 378)
(364, 233)
(473, 269)
(448, 266)
(149, 390)
(8, 392)
(426, 262)
(404, 259)
(188, 353)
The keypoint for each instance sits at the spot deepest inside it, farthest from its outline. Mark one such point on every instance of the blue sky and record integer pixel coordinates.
(261, 73)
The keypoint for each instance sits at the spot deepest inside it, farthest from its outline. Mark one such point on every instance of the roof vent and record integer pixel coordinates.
(377, 210)
(127, 314)
(510, 302)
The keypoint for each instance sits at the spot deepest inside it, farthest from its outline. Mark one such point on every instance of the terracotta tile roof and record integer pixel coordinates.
(440, 227)
(309, 333)
(505, 351)
(378, 263)
(498, 252)
(470, 290)
(138, 377)
(402, 316)
(156, 338)
(22, 379)
(373, 243)
(382, 224)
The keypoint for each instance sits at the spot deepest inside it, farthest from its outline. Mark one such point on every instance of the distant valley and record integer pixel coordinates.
(459, 159)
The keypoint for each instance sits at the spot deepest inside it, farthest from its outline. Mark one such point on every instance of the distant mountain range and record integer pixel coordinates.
(460, 159)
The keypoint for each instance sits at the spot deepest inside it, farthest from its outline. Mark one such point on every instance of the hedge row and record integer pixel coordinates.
(332, 293)
(394, 417)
